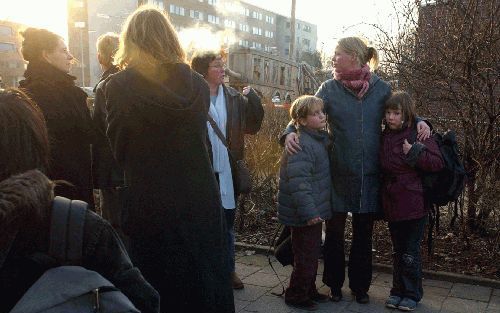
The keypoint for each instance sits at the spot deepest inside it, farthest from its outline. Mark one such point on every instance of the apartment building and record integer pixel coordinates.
(12, 65)
(243, 26)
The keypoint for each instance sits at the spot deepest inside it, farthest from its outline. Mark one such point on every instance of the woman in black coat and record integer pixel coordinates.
(65, 110)
(157, 112)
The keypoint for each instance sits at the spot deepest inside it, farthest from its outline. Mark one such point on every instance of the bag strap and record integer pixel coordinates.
(219, 134)
(217, 130)
(66, 230)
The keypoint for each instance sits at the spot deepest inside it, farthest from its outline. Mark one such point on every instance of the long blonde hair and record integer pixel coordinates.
(148, 39)
(358, 47)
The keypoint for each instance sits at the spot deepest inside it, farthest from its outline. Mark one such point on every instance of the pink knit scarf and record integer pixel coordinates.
(357, 80)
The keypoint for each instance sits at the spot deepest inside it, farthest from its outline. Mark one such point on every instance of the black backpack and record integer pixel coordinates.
(70, 287)
(445, 186)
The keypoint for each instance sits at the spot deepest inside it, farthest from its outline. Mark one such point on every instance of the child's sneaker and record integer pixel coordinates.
(407, 305)
(393, 302)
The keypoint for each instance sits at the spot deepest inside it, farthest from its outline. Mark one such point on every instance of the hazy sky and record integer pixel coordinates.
(334, 18)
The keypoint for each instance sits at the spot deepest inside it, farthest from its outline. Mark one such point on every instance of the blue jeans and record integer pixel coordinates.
(406, 237)
(230, 216)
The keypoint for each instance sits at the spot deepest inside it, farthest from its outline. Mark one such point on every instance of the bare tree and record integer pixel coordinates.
(446, 53)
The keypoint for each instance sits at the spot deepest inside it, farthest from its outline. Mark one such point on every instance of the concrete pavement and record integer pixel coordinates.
(439, 296)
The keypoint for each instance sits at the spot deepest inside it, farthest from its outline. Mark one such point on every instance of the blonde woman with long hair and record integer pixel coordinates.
(157, 112)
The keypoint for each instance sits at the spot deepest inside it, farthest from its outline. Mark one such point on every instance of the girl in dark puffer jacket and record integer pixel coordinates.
(403, 197)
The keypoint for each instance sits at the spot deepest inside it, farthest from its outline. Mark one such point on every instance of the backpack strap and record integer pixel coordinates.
(66, 230)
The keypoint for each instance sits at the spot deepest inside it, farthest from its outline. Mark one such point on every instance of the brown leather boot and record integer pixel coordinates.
(237, 283)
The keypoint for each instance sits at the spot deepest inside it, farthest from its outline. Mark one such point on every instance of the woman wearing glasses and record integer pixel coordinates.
(235, 115)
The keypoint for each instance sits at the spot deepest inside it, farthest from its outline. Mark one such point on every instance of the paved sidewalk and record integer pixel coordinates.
(439, 296)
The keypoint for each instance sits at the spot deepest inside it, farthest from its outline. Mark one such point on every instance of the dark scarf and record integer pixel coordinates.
(357, 80)
(44, 71)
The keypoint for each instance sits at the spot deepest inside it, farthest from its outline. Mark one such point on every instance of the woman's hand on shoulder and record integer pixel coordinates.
(292, 143)
(423, 131)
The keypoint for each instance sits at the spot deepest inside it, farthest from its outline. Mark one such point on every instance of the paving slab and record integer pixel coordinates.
(435, 291)
(494, 303)
(255, 259)
(249, 293)
(437, 283)
(263, 279)
(383, 280)
(471, 292)
(245, 270)
(268, 304)
(239, 305)
(459, 305)
(496, 292)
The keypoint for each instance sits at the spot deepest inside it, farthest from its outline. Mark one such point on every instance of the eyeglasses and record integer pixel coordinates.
(218, 66)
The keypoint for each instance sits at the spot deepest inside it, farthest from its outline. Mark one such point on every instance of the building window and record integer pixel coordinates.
(212, 2)
(298, 26)
(7, 47)
(269, 34)
(269, 19)
(174, 9)
(5, 30)
(247, 12)
(196, 15)
(244, 28)
(244, 43)
(287, 24)
(306, 42)
(257, 31)
(229, 24)
(156, 3)
(213, 19)
(307, 28)
(257, 15)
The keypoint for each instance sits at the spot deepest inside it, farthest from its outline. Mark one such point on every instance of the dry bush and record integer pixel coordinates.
(262, 154)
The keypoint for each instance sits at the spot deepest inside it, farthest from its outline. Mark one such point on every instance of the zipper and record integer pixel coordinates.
(362, 157)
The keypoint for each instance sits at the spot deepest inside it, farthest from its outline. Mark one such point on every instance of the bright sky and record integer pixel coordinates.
(334, 18)
(49, 14)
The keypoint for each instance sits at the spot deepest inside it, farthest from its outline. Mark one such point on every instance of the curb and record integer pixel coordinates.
(428, 274)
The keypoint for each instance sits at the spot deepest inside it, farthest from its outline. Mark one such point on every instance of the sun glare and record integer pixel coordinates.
(49, 14)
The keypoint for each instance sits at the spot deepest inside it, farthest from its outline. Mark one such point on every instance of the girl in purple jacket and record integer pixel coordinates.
(403, 197)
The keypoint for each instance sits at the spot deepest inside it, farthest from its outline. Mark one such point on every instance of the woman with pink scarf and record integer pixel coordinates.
(354, 103)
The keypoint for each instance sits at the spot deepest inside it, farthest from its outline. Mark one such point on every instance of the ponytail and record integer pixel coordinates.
(372, 58)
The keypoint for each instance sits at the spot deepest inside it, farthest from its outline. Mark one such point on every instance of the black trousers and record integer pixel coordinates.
(360, 256)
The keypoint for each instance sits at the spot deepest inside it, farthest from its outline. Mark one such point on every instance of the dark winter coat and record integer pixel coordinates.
(71, 130)
(402, 191)
(25, 210)
(244, 116)
(157, 130)
(105, 172)
(355, 125)
(305, 182)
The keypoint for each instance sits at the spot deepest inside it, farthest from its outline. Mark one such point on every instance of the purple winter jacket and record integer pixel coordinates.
(402, 191)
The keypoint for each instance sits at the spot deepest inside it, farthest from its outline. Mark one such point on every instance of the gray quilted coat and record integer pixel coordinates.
(305, 183)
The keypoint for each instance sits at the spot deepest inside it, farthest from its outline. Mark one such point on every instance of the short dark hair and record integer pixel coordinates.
(24, 141)
(202, 59)
(401, 100)
(37, 40)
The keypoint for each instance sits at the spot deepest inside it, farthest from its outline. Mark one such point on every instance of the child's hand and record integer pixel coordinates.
(406, 147)
(314, 221)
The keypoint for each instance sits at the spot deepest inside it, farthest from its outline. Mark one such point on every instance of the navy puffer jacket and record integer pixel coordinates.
(305, 182)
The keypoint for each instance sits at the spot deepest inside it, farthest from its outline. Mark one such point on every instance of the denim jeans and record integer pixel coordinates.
(406, 237)
(360, 256)
(230, 216)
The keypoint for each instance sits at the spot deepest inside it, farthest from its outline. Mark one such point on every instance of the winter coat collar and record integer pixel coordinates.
(321, 135)
(24, 198)
(39, 70)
